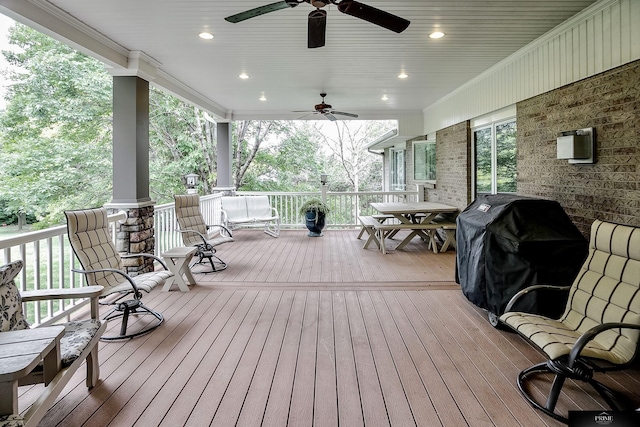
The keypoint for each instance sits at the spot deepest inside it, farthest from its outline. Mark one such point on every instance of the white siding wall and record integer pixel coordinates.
(601, 37)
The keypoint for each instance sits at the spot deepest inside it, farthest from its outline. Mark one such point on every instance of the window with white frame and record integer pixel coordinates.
(397, 170)
(424, 160)
(494, 146)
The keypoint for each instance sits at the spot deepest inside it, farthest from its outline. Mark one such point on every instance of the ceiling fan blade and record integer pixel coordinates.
(355, 116)
(373, 15)
(330, 116)
(242, 16)
(317, 28)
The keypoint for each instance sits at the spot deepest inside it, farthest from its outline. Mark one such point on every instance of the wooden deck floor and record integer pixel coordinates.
(303, 331)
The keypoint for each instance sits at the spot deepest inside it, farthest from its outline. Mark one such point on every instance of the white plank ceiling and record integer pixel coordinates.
(359, 64)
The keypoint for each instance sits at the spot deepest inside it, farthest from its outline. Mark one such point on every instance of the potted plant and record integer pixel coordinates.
(314, 211)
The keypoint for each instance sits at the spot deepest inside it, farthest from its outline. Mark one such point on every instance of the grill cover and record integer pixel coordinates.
(507, 242)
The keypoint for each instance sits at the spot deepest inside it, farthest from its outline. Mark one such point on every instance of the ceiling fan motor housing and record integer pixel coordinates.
(319, 3)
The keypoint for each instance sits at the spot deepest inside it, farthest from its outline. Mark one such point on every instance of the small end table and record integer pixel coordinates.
(20, 352)
(178, 262)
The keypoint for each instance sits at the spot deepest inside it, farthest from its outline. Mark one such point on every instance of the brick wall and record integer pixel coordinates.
(453, 166)
(610, 188)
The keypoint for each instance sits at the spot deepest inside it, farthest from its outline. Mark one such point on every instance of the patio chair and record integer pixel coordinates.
(79, 343)
(195, 232)
(92, 243)
(599, 329)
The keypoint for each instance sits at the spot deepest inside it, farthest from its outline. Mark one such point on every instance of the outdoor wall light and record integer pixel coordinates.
(192, 182)
(323, 179)
(578, 146)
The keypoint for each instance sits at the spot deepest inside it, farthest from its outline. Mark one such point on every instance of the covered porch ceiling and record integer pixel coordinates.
(158, 40)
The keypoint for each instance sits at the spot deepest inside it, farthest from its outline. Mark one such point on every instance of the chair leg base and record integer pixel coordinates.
(216, 263)
(614, 400)
(128, 308)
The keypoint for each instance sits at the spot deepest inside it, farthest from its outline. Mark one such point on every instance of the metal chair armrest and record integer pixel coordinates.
(112, 270)
(226, 230)
(514, 299)
(591, 334)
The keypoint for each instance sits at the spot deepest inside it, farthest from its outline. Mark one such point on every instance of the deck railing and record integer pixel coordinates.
(345, 209)
(49, 259)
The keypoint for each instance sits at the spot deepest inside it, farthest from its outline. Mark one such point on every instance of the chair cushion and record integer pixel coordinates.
(606, 290)
(77, 336)
(145, 282)
(11, 315)
(190, 218)
(220, 239)
(11, 420)
(92, 243)
(555, 338)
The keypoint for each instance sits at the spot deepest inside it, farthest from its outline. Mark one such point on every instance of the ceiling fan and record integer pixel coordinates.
(318, 18)
(327, 111)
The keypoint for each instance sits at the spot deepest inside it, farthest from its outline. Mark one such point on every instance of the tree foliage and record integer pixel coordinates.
(352, 167)
(56, 130)
(56, 140)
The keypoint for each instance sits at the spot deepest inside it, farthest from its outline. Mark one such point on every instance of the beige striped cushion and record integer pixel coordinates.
(91, 241)
(607, 289)
(190, 218)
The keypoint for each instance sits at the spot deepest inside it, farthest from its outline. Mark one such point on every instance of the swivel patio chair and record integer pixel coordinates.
(195, 232)
(78, 344)
(102, 265)
(599, 329)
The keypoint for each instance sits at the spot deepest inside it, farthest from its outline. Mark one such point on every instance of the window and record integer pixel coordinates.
(424, 161)
(397, 170)
(495, 158)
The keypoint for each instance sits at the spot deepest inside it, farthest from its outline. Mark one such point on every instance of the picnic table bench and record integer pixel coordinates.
(378, 230)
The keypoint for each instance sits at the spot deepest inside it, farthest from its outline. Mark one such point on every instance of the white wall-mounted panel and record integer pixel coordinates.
(599, 38)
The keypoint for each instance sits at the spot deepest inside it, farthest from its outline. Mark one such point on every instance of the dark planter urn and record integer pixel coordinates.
(314, 225)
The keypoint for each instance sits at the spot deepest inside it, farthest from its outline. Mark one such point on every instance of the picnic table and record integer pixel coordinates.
(414, 216)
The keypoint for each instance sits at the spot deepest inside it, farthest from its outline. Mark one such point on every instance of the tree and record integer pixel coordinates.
(354, 169)
(248, 136)
(56, 140)
(291, 163)
(182, 140)
(56, 130)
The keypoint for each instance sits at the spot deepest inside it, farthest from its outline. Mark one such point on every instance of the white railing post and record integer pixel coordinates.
(420, 192)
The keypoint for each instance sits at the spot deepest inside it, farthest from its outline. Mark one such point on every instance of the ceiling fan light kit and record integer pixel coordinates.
(318, 18)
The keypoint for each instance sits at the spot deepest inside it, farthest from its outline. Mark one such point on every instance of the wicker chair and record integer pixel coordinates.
(599, 330)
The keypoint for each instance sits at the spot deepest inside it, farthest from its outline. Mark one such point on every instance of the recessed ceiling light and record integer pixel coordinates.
(403, 75)
(385, 97)
(436, 35)
(205, 35)
(262, 97)
(244, 76)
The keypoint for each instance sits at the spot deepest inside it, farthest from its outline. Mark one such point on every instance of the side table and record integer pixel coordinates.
(20, 352)
(178, 262)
